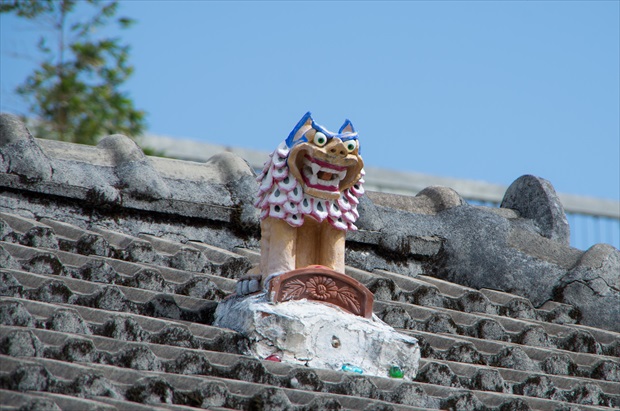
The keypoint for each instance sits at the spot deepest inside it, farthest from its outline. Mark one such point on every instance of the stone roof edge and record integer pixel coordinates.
(117, 172)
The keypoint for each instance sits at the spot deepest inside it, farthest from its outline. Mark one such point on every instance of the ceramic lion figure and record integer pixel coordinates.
(308, 196)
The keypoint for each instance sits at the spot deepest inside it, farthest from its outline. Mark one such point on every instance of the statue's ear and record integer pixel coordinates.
(347, 127)
(297, 135)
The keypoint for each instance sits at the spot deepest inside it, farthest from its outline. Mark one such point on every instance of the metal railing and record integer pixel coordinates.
(587, 230)
(591, 220)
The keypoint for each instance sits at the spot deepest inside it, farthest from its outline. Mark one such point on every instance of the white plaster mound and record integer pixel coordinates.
(319, 335)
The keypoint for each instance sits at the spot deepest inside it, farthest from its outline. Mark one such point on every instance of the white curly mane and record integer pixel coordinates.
(281, 196)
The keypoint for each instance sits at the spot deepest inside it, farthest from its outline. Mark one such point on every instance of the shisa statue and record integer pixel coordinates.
(301, 307)
(308, 196)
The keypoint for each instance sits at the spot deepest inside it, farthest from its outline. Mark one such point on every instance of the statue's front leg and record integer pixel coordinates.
(282, 247)
(332, 247)
(308, 239)
(278, 246)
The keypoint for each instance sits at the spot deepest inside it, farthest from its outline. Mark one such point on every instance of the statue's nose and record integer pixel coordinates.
(336, 147)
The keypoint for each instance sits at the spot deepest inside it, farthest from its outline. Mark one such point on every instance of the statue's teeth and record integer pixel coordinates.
(315, 168)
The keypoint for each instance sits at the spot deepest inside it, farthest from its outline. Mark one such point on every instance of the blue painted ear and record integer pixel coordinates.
(297, 135)
(347, 127)
(347, 132)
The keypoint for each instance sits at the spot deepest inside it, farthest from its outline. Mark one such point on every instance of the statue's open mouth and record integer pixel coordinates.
(321, 175)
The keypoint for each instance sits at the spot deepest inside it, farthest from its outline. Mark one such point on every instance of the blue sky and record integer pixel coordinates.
(477, 90)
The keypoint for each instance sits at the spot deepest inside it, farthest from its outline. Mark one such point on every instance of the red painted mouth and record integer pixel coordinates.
(322, 175)
(324, 163)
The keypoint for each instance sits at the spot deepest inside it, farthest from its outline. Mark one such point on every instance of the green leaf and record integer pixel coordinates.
(126, 22)
(27, 8)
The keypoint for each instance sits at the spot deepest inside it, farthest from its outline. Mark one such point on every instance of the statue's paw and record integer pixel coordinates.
(247, 285)
(271, 277)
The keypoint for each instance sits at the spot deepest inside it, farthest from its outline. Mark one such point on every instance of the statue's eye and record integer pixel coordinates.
(320, 139)
(351, 145)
